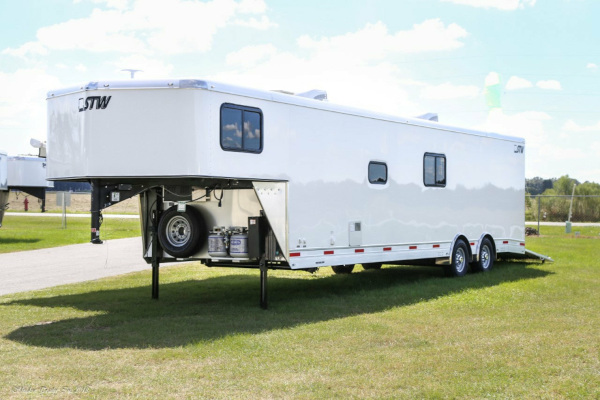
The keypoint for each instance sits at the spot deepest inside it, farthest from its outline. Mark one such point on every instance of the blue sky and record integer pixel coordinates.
(405, 57)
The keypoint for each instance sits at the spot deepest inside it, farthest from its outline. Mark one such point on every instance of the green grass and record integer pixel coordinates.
(30, 233)
(523, 330)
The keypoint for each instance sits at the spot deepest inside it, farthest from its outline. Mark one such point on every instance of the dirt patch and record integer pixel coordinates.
(80, 202)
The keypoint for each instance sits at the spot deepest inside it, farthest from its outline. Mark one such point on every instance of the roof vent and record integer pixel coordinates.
(428, 117)
(314, 94)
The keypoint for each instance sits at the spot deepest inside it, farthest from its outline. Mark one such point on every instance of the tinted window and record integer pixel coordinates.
(434, 170)
(241, 128)
(440, 171)
(231, 128)
(252, 131)
(377, 172)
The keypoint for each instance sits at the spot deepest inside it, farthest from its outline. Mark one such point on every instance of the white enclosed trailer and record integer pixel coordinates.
(28, 174)
(234, 176)
(3, 184)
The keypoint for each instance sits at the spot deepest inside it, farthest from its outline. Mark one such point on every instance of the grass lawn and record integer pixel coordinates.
(523, 330)
(30, 233)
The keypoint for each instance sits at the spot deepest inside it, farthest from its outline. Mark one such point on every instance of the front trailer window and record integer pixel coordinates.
(241, 128)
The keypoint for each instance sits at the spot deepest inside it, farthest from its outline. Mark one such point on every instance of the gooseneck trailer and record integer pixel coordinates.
(3, 184)
(28, 174)
(239, 177)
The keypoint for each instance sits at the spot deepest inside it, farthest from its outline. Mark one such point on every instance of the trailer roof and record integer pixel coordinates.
(275, 96)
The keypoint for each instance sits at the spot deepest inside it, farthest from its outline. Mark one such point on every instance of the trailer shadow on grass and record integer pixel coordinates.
(195, 311)
(5, 241)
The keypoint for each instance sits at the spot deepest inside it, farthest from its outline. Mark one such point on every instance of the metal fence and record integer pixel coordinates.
(555, 208)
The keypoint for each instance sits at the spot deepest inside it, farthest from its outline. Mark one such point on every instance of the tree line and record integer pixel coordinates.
(585, 209)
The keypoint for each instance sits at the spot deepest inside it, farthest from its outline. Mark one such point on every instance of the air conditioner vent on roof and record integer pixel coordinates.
(314, 94)
(428, 117)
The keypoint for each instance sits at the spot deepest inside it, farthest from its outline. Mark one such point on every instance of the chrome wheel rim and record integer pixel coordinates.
(460, 261)
(178, 231)
(485, 257)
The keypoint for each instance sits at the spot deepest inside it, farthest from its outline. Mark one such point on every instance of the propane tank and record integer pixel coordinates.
(239, 242)
(217, 242)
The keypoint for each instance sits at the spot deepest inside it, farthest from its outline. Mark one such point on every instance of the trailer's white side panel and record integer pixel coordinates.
(325, 155)
(3, 171)
(27, 172)
(141, 133)
(3, 183)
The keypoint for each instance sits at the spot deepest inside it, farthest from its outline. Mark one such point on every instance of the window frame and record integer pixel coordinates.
(369, 172)
(243, 109)
(435, 180)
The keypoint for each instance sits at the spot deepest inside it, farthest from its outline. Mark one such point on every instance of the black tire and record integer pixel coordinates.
(486, 257)
(342, 269)
(180, 234)
(460, 260)
(372, 265)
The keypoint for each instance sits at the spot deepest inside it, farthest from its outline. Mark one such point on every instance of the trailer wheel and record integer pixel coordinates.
(459, 264)
(181, 233)
(372, 265)
(342, 269)
(486, 257)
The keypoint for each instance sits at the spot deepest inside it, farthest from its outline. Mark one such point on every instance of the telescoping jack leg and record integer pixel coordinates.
(263, 284)
(96, 212)
(155, 246)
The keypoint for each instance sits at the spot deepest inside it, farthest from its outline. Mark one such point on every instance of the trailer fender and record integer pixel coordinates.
(464, 238)
(478, 247)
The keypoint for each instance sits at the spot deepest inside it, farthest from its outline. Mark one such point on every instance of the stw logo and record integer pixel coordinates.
(88, 103)
(519, 149)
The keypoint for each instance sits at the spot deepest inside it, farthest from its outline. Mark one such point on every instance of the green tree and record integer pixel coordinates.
(564, 185)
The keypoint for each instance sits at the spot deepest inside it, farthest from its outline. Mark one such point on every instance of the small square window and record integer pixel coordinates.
(434, 170)
(377, 173)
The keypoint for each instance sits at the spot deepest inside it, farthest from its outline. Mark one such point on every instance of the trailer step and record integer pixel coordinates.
(533, 254)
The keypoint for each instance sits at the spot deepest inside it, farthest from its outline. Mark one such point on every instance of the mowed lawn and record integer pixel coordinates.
(30, 233)
(523, 330)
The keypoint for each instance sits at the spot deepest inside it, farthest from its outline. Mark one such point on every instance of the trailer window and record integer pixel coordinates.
(241, 128)
(377, 173)
(434, 170)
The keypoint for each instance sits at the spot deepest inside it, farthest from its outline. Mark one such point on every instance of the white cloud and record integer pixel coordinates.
(22, 106)
(447, 91)
(118, 4)
(562, 153)
(28, 48)
(506, 5)
(528, 124)
(491, 79)
(516, 83)
(250, 55)
(23, 90)
(430, 35)
(549, 85)
(261, 24)
(572, 126)
(252, 6)
(168, 26)
(333, 63)
(591, 66)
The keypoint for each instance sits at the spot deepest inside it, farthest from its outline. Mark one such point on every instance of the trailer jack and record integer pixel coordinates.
(105, 195)
(263, 283)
